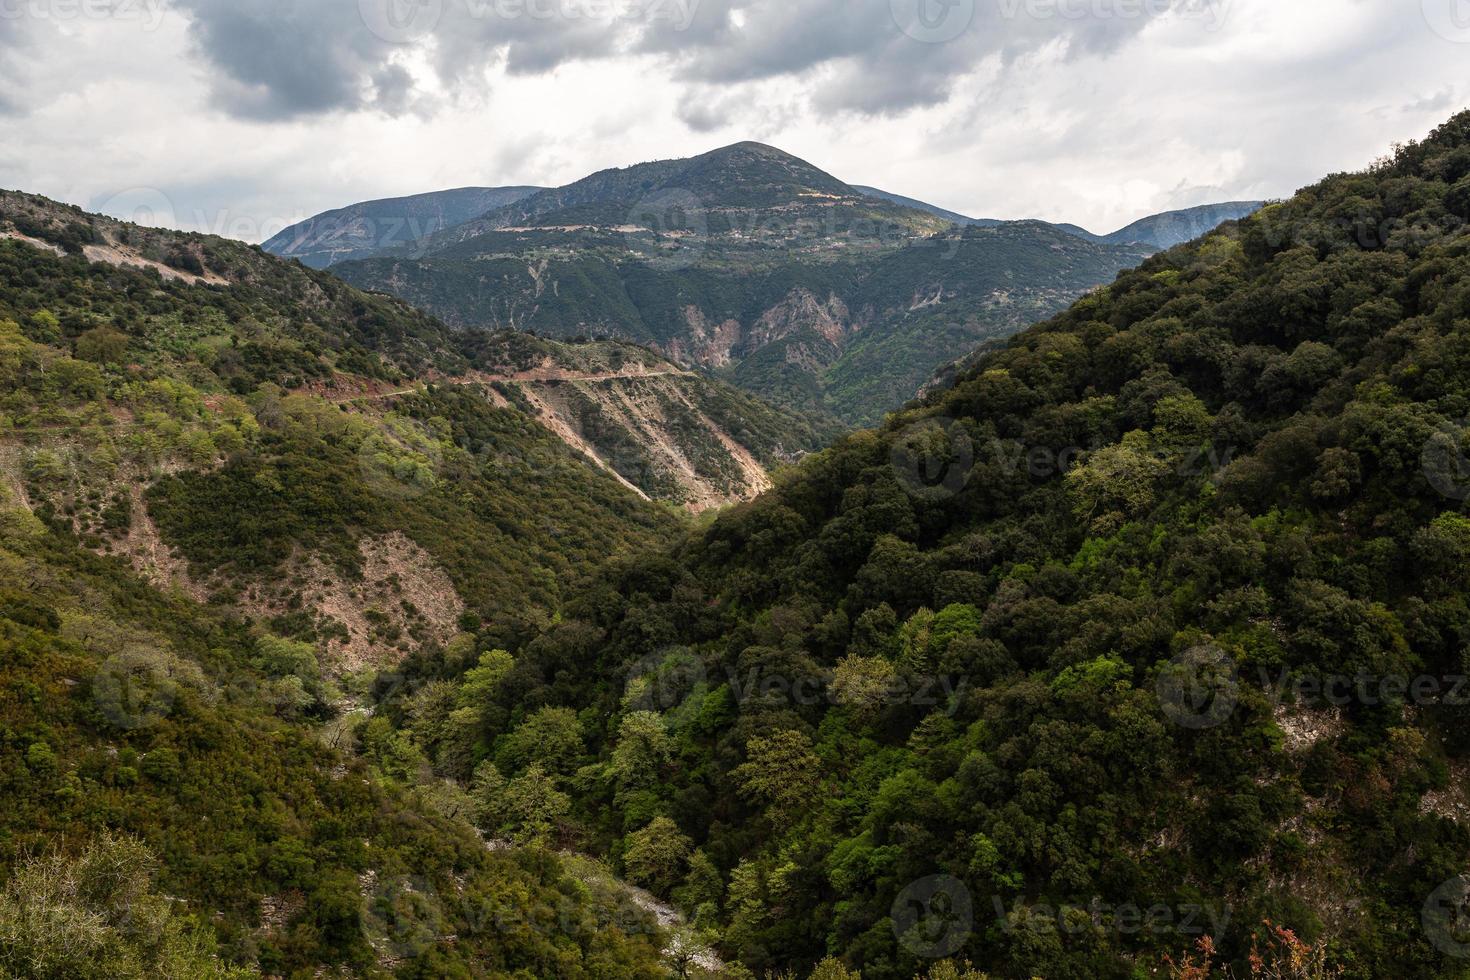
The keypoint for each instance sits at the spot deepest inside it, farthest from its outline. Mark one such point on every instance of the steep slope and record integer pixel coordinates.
(1147, 639)
(965, 288)
(272, 843)
(909, 202)
(665, 433)
(364, 229)
(203, 576)
(200, 430)
(752, 263)
(264, 320)
(1176, 227)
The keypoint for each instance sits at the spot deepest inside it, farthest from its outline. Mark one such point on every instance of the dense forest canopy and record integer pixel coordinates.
(1157, 617)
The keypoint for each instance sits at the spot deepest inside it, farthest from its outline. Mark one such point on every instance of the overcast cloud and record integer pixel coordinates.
(239, 117)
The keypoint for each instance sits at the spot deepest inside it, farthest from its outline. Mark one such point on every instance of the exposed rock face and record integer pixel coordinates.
(801, 310)
(799, 318)
(652, 434)
(709, 344)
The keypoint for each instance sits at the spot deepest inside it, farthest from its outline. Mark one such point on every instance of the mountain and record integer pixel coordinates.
(1157, 616)
(360, 230)
(753, 265)
(916, 306)
(1176, 227)
(1164, 230)
(662, 431)
(236, 496)
(909, 202)
(747, 203)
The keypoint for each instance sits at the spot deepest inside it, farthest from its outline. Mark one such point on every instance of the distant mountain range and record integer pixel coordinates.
(1177, 227)
(746, 262)
(360, 230)
(1162, 231)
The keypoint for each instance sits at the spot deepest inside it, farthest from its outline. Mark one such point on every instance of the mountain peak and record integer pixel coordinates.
(752, 148)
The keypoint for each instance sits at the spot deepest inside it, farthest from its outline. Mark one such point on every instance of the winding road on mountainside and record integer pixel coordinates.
(534, 376)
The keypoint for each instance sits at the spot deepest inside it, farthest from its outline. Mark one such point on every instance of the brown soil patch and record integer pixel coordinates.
(122, 255)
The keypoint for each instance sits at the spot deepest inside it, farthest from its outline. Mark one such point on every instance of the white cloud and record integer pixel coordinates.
(248, 116)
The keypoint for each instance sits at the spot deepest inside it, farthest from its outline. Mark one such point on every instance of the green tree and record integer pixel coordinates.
(863, 684)
(1116, 482)
(96, 916)
(103, 345)
(644, 748)
(527, 809)
(552, 738)
(781, 773)
(656, 855)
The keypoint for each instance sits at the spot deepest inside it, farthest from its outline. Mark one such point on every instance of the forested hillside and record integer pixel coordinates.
(208, 817)
(235, 496)
(1139, 652)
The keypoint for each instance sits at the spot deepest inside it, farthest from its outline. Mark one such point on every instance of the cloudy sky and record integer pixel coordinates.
(242, 116)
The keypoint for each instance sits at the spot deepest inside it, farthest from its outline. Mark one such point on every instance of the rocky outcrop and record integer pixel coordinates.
(801, 310)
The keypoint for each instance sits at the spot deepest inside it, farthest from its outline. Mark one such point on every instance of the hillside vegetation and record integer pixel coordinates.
(1049, 673)
(280, 848)
(235, 496)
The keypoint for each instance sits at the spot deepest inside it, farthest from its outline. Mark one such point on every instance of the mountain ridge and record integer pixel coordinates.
(367, 227)
(752, 264)
(1162, 230)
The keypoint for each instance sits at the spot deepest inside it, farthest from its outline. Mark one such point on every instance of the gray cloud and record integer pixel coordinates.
(13, 41)
(285, 59)
(882, 58)
(703, 113)
(1440, 101)
(303, 57)
(1019, 117)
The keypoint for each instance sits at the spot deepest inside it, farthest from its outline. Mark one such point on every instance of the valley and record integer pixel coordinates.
(710, 569)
